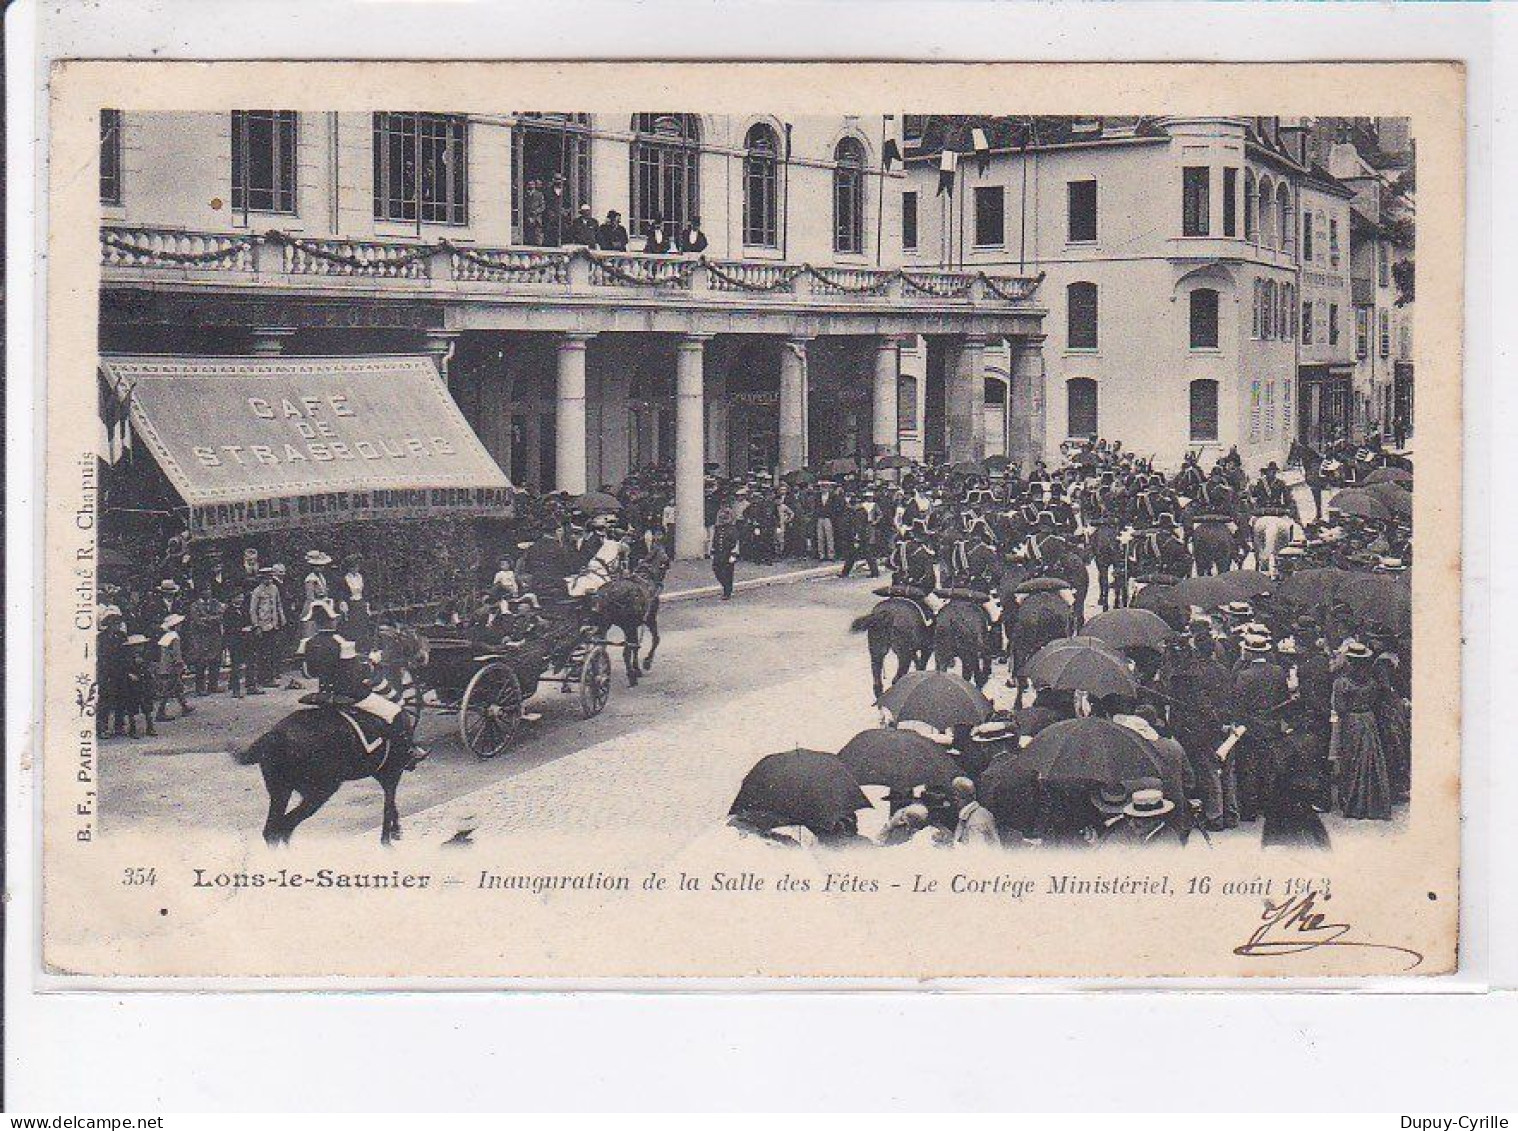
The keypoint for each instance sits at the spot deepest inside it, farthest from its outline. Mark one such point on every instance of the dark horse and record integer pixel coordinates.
(895, 625)
(315, 750)
(629, 603)
(1063, 561)
(962, 632)
(1213, 544)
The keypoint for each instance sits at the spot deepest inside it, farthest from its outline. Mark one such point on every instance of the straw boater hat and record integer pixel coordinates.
(994, 730)
(317, 558)
(1354, 650)
(168, 585)
(1148, 799)
(135, 639)
(1391, 565)
(173, 620)
(1237, 609)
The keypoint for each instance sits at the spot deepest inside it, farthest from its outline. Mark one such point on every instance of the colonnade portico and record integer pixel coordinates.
(592, 371)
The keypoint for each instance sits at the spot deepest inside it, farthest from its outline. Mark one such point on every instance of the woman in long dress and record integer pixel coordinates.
(1355, 744)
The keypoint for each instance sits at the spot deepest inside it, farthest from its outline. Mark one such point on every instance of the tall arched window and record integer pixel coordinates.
(848, 196)
(761, 211)
(1204, 410)
(1267, 212)
(1259, 310)
(1080, 404)
(666, 170)
(1080, 316)
(1284, 215)
(1268, 312)
(1251, 228)
(1283, 315)
(1204, 318)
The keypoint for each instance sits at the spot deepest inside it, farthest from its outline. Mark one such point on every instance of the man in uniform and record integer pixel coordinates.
(1271, 495)
(344, 679)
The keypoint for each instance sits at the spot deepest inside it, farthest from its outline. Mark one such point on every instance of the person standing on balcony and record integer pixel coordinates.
(657, 242)
(533, 208)
(582, 229)
(612, 236)
(693, 239)
(555, 219)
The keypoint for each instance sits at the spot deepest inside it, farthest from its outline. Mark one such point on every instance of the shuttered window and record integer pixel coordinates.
(1204, 410)
(1081, 316)
(1080, 396)
(1204, 319)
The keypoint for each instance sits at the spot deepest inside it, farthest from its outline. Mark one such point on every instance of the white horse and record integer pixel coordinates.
(1271, 533)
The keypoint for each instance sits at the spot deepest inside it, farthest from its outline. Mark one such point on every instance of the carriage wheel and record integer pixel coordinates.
(491, 710)
(595, 680)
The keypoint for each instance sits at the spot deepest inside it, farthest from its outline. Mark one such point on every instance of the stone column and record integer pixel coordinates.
(1028, 398)
(793, 394)
(967, 397)
(690, 446)
(269, 341)
(569, 414)
(885, 431)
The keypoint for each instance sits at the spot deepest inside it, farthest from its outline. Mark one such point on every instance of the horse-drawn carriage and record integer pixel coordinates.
(486, 675)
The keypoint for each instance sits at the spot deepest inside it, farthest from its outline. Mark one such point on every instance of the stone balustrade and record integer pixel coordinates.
(549, 270)
(156, 247)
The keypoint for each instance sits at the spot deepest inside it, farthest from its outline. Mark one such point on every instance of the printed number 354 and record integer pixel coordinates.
(139, 877)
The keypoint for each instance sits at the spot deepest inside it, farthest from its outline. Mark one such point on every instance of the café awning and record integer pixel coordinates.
(253, 444)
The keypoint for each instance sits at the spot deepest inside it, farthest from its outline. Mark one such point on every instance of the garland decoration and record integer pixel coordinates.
(232, 251)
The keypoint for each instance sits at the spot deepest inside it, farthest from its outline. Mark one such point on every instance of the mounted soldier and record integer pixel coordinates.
(345, 681)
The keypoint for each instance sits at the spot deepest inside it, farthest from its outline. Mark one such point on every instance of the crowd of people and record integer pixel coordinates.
(162, 642)
(1267, 707)
(1284, 706)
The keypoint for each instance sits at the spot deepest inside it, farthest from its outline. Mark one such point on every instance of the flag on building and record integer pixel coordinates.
(115, 438)
(982, 147)
(891, 154)
(948, 164)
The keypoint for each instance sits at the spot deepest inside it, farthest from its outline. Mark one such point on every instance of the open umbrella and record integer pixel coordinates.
(1360, 503)
(803, 787)
(1086, 459)
(1043, 585)
(596, 502)
(1091, 752)
(1380, 600)
(801, 477)
(1081, 663)
(893, 462)
(1220, 588)
(841, 466)
(898, 759)
(1307, 588)
(996, 464)
(1129, 628)
(1390, 475)
(1158, 596)
(1393, 498)
(940, 699)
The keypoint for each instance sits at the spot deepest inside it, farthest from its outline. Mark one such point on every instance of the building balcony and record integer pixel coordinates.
(476, 284)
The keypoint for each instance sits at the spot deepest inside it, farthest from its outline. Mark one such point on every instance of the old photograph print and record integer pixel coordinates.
(894, 527)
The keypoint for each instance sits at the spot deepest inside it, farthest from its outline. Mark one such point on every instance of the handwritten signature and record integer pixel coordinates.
(1295, 925)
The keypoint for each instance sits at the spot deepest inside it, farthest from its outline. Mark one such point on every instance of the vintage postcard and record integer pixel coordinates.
(859, 521)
